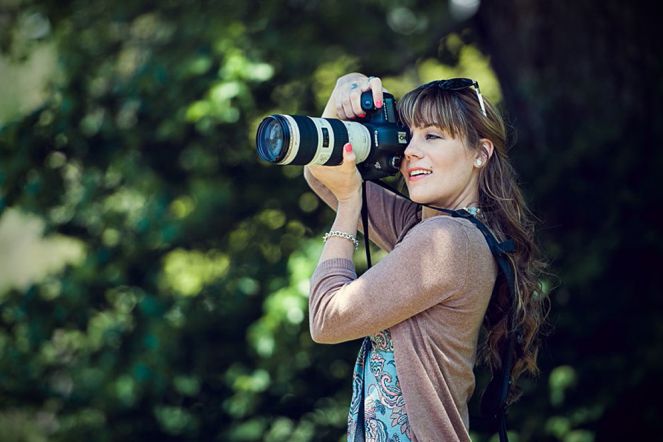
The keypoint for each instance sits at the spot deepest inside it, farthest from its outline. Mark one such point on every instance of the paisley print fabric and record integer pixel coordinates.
(377, 409)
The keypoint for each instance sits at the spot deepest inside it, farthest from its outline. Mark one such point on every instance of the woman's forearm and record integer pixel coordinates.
(347, 213)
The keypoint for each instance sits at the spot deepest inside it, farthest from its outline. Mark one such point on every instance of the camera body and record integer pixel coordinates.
(378, 140)
(389, 138)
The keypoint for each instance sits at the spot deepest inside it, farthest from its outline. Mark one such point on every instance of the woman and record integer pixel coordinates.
(423, 305)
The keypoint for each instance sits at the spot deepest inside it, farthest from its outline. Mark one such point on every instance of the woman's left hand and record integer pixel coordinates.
(344, 180)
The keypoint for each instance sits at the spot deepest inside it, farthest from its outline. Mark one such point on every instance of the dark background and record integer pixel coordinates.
(155, 273)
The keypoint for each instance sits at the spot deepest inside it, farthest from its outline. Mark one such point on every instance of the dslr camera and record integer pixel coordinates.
(378, 141)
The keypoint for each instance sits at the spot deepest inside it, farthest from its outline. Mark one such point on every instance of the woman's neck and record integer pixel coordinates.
(427, 212)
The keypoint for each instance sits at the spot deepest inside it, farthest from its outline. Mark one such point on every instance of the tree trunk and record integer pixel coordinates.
(582, 82)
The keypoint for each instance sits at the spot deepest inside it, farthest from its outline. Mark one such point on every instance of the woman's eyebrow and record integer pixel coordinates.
(435, 128)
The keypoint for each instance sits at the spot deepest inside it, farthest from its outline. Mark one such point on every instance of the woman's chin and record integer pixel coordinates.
(419, 199)
(427, 200)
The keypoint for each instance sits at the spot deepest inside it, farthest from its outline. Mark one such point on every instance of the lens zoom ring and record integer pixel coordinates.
(340, 138)
(308, 136)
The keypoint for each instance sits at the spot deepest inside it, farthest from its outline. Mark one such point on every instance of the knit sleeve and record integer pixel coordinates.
(429, 266)
(389, 215)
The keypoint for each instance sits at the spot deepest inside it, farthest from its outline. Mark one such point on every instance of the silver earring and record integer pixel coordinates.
(478, 162)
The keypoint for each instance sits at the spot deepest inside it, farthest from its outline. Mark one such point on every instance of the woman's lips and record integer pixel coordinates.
(415, 178)
(417, 174)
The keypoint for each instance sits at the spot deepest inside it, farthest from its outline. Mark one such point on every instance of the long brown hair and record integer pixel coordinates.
(505, 213)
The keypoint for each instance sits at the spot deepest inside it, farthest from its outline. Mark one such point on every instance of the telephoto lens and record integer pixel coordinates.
(301, 140)
(378, 141)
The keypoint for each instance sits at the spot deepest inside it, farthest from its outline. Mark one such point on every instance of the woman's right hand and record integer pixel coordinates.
(345, 104)
(345, 100)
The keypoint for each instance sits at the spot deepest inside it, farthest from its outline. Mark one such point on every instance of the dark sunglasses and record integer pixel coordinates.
(457, 84)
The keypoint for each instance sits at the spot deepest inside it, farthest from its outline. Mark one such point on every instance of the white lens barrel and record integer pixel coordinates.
(325, 141)
(322, 140)
(360, 138)
(293, 148)
(358, 135)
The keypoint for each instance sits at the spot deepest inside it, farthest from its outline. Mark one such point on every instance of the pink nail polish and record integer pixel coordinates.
(362, 115)
(378, 103)
(348, 147)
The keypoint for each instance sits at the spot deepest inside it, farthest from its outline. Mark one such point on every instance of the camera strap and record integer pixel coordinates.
(494, 403)
(364, 222)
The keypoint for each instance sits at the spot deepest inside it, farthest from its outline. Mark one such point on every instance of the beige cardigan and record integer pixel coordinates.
(431, 290)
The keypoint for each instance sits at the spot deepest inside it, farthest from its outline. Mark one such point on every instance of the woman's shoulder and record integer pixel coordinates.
(451, 233)
(456, 250)
(452, 227)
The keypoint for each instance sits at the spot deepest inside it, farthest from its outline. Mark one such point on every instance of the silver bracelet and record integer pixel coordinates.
(341, 235)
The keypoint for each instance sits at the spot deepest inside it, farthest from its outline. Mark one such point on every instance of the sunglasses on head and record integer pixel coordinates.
(457, 84)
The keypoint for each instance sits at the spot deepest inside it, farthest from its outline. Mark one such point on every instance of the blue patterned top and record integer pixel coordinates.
(377, 409)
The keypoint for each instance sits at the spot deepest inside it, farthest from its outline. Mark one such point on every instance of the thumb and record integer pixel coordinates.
(349, 156)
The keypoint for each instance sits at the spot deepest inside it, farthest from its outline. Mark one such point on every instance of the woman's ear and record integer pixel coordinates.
(484, 152)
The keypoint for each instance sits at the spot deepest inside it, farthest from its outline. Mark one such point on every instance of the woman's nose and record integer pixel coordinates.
(412, 151)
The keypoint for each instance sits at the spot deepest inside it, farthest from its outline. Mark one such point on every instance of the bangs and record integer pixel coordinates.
(431, 106)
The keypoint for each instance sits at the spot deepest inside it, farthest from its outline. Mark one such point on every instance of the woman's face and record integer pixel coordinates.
(440, 170)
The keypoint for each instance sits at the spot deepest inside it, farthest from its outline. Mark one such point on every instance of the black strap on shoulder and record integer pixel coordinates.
(494, 400)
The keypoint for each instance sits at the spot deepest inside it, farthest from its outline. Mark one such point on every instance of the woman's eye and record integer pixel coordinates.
(432, 136)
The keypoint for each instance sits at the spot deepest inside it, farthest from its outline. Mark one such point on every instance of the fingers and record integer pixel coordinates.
(351, 102)
(348, 105)
(349, 157)
(375, 84)
(348, 100)
(355, 102)
(349, 167)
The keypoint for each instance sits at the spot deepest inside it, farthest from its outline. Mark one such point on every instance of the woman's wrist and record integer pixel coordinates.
(346, 219)
(338, 245)
(350, 205)
(347, 215)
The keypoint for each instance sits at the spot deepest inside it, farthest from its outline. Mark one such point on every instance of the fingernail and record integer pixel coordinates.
(362, 115)
(378, 103)
(348, 147)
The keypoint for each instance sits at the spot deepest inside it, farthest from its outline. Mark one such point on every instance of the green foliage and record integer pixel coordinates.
(154, 274)
(178, 308)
